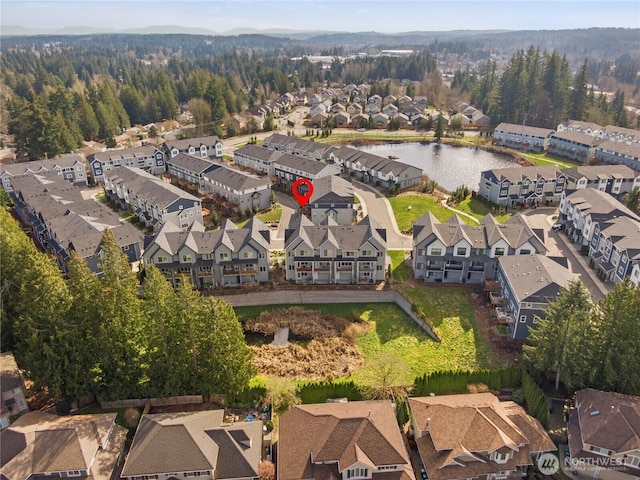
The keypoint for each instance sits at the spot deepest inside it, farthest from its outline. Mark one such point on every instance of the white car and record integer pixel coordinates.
(557, 226)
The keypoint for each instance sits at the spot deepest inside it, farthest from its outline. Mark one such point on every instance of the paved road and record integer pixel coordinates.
(289, 208)
(379, 208)
(560, 245)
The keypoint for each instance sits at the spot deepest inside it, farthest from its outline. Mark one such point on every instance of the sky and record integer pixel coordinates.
(386, 16)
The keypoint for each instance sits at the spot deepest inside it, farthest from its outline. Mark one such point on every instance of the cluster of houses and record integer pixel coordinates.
(582, 142)
(353, 107)
(453, 437)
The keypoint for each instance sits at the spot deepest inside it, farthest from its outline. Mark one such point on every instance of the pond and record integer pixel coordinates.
(448, 165)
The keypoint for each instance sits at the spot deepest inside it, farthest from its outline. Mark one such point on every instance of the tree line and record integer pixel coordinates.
(538, 89)
(111, 336)
(584, 344)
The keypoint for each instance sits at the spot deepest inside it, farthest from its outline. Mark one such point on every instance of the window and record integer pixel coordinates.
(523, 318)
(248, 255)
(208, 256)
(223, 256)
(422, 251)
(162, 259)
(499, 252)
(366, 253)
(303, 253)
(263, 269)
(436, 251)
(186, 258)
(525, 251)
(327, 253)
(262, 255)
(349, 254)
(357, 472)
(461, 251)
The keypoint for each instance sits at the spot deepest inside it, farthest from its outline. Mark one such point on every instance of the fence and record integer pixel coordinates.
(154, 402)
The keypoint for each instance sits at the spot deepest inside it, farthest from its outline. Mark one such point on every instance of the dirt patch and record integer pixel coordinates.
(324, 349)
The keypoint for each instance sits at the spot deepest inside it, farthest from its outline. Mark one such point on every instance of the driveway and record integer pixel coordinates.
(289, 208)
(560, 245)
(379, 208)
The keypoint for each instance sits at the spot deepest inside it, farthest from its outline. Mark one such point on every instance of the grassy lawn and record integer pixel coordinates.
(120, 420)
(399, 269)
(270, 216)
(420, 205)
(394, 335)
(543, 159)
(478, 209)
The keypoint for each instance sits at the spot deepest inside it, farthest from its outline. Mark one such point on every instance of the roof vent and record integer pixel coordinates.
(594, 413)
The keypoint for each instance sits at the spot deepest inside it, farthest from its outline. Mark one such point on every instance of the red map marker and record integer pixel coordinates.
(302, 198)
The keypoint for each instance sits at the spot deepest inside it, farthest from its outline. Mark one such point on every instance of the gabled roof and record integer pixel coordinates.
(183, 145)
(194, 441)
(460, 430)
(535, 278)
(524, 130)
(38, 443)
(598, 172)
(192, 163)
(598, 204)
(518, 174)
(21, 168)
(343, 237)
(331, 189)
(303, 164)
(608, 420)
(622, 148)
(340, 434)
(236, 180)
(112, 155)
(10, 376)
(261, 153)
(577, 137)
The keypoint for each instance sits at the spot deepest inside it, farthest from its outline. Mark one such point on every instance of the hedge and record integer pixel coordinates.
(457, 380)
(319, 392)
(537, 402)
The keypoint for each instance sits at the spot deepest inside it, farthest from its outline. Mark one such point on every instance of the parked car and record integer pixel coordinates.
(557, 226)
(423, 474)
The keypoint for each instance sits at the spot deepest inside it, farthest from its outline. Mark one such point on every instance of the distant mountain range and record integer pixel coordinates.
(17, 30)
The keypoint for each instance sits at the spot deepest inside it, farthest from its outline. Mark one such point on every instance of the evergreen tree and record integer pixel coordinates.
(579, 94)
(557, 345)
(439, 126)
(615, 347)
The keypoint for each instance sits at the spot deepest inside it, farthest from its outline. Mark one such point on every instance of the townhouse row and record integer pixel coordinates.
(544, 185)
(581, 142)
(605, 229)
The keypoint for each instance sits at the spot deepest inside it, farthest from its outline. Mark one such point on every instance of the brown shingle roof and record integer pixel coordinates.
(366, 432)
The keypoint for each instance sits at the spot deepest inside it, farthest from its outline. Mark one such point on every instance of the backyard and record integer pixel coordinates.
(399, 270)
(393, 337)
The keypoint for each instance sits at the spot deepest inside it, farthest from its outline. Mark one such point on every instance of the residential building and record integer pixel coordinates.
(71, 167)
(155, 202)
(527, 284)
(604, 435)
(610, 151)
(289, 168)
(509, 187)
(522, 137)
(456, 252)
(614, 249)
(61, 221)
(42, 445)
(475, 436)
(613, 179)
(243, 189)
(573, 145)
(147, 158)
(586, 128)
(332, 198)
(334, 253)
(194, 444)
(352, 440)
(204, 147)
(375, 169)
(256, 158)
(298, 146)
(620, 134)
(190, 168)
(11, 389)
(582, 209)
(226, 257)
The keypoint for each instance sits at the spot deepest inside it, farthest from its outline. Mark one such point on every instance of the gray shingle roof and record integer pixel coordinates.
(591, 201)
(111, 155)
(236, 180)
(63, 161)
(183, 145)
(261, 153)
(10, 376)
(596, 172)
(302, 164)
(524, 130)
(577, 137)
(535, 278)
(191, 163)
(195, 441)
(332, 189)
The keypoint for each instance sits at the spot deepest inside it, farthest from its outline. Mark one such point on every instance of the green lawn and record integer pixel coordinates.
(120, 420)
(399, 269)
(270, 216)
(420, 205)
(394, 335)
(543, 159)
(478, 209)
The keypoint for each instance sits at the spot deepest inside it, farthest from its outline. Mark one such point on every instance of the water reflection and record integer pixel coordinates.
(447, 165)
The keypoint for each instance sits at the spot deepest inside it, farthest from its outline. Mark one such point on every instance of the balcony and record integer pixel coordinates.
(365, 267)
(322, 267)
(344, 268)
(435, 266)
(454, 266)
(303, 269)
(496, 299)
(248, 271)
(504, 315)
(229, 271)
